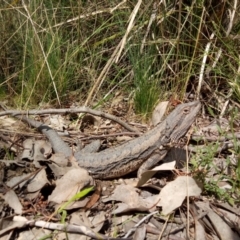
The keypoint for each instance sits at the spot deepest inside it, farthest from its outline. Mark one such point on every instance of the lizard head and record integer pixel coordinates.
(182, 118)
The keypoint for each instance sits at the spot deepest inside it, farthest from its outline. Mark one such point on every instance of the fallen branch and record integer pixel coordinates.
(21, 222)
(68, 111)
(70, 228)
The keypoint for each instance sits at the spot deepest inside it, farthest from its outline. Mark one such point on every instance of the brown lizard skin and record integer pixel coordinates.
(144, 151)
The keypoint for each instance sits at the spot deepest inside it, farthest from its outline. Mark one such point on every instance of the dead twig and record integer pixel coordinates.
(71, 110)
(138, 224)
(91, 14)
(182, 226)
(72, 228)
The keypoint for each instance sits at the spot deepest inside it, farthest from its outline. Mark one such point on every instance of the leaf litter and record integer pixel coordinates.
(130, 208)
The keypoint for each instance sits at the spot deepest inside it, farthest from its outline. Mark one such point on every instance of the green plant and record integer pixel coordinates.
(147, 85)
(212, 189)
(62, 209)
(9, 155)
(211, 175)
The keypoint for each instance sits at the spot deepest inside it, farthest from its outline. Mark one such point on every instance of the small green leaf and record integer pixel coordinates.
(77, 196)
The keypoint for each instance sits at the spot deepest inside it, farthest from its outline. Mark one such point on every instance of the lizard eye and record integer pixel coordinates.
(186, 110)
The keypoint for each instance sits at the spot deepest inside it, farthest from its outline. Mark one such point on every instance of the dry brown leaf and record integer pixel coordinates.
(59, 164)
(94, 198)
(130, 200)
(34, 233)
(11, 223)
(70, 184)
(123, 138)
(158, 112)
(38, 181)
(77, 219)
(57, 122)
(174, 193)
(149, 173)
(19, 179)
(12, 200)
(80, 219)
(10, 124)
(98, 221)
(220, 226)
(231, 217)
(36, 150)
(140, 233)
(199, 231)
(35, 182)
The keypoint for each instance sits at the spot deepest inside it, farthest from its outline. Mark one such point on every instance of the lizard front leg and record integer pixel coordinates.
(156, 157)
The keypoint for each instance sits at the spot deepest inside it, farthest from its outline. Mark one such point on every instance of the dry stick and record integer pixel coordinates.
(200, 82)
(91, 14)
(71, 110)
(28, 134)
(138, 224)
(152, 18)
(201, 75)
(129, 28)
(204, 72)
(57, 143)
(164, 227)
(230, 25)
(17, 162)
(84, 137)
(188, 204)
(69, 228)
(182, 226)
(27, 177)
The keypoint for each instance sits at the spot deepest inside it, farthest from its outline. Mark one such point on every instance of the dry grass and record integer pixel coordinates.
(157, 51)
